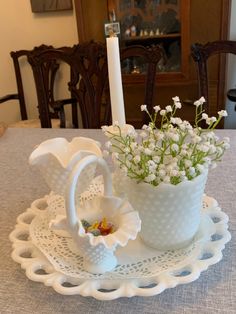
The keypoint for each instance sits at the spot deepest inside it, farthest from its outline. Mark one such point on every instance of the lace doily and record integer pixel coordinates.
(54, 259)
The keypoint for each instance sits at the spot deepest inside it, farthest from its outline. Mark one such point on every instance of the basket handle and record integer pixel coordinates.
(71, 211)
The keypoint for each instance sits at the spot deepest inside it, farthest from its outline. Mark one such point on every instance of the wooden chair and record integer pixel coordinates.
(53, 117)
(89, 77)
(150, 57)
(93, 90)
(202, 55)
(45, 65)
(90, 84)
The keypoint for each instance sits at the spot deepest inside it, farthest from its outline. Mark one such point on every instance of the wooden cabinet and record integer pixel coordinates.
(200, 21)
(151, 22)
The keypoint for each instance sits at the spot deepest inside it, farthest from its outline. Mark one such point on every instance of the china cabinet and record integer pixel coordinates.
(154, 22)
(175, 24)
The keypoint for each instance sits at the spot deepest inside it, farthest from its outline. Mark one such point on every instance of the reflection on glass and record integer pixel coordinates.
(151, 22)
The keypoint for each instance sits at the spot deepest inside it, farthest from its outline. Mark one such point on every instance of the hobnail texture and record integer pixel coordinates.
(56, 158)
(170, 214)
(97, 251)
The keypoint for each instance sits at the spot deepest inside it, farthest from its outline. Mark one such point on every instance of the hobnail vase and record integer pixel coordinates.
(170, 214)
(56, 158)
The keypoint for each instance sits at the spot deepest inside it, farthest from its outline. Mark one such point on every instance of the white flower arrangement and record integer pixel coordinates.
(175, 152)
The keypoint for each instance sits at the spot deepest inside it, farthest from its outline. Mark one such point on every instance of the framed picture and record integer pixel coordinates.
(112, 28)
(39, 6)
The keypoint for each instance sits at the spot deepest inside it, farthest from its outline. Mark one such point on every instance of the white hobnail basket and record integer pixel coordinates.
(170, 214)
(97, 251)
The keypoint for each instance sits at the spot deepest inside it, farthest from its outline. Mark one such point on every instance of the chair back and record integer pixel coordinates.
(90, 83)
(47, 112)
(89, 78)
(45, 64)
(93, 89)
(202, 55)
(150, 57)
(16, 57)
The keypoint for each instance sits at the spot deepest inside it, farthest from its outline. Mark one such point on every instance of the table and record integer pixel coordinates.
(214, 292)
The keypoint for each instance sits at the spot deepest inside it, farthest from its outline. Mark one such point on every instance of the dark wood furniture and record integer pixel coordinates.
(204, 21)
(47, 114)
(202, 55)
(19, 95)
(88, 67)
(89, 79)
(149, 23)
(151, 59)
(51, 106)
(90, 83)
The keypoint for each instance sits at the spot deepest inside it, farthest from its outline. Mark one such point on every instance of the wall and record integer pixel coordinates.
(230, 121)
(22, 29)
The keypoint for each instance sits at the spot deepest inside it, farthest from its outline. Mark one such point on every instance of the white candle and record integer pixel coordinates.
(115, 81)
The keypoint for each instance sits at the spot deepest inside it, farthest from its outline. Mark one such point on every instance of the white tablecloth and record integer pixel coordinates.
(214, 292)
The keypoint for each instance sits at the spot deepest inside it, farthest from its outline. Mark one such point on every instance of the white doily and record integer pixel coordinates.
(140, 271)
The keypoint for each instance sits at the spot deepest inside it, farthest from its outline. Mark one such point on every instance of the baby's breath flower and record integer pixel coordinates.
(202, 100)
(108, 144)
(226, 145)
(192, 171)
(150, 178)
(178, 105)
(162, 173)
(156, 159)
(157, 108)
(104, 128)
(137, 159)
(126, 150)
(166, 179)
(148, 151)
(176, 99)
(143, 107)
(172, 120)
(174, 152)
(175, 147)
(143, 134)
(178, 121)
(174, 173)
(162, 112)
(168, 109)
(197, 103)
(133, 145)
(200, 168)
(175, 137)
(222, 113)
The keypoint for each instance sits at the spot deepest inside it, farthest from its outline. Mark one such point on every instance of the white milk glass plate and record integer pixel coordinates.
(53, 259)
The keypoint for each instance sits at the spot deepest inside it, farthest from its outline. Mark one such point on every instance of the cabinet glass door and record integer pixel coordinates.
(152, 22)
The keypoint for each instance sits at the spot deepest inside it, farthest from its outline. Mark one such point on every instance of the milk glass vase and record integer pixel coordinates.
(162, 170)
(170, 214)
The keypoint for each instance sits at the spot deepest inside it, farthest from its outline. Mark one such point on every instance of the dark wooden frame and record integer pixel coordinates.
(38, 6)
(183, 74)
(201, 54)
